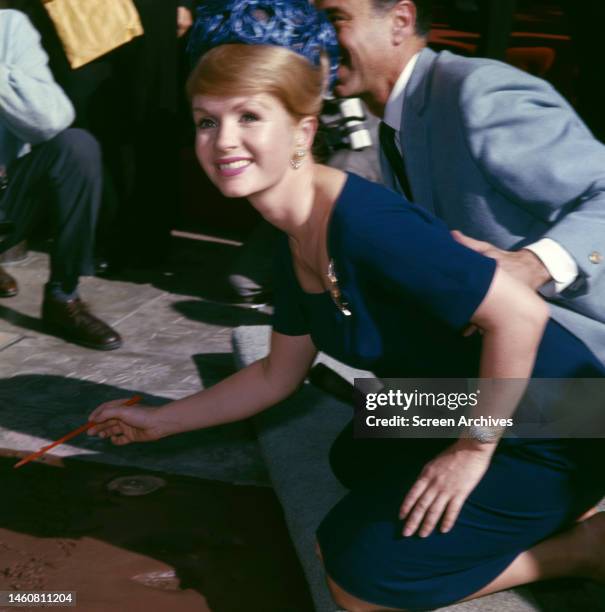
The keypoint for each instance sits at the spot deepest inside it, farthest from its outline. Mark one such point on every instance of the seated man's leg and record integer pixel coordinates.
(69, 167)
(8, 284)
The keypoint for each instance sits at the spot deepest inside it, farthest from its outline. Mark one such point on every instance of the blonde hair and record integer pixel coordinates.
(235, 70)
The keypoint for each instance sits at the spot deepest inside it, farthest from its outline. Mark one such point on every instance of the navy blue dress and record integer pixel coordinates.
(412, 289)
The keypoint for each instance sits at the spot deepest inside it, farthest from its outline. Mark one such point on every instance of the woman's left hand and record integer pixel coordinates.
(443, 486)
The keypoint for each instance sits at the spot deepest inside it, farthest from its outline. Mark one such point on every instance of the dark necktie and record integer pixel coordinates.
(386, 134)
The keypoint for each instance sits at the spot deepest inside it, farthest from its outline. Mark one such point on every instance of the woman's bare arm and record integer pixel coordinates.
(512, 318)
(241, 395)
(247, 392)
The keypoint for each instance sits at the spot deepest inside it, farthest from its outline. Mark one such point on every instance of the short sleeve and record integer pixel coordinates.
(289, 316)
(412, 255)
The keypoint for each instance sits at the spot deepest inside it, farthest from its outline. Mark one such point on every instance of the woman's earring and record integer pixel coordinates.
(297, 161)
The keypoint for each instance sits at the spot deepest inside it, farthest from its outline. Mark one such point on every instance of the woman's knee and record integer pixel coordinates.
(345, 600)
(351, 603)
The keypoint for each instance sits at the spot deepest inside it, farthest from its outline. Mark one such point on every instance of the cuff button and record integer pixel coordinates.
(595, 257)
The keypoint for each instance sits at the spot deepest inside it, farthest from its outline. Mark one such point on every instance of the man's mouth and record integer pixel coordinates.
(342, 73)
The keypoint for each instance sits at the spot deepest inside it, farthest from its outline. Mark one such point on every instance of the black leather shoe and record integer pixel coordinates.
(73, 321)
(8, 285)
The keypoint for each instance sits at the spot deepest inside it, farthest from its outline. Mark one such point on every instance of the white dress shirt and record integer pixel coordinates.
(560, 264)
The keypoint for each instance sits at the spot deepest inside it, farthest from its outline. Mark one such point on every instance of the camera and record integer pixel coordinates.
(344, 124)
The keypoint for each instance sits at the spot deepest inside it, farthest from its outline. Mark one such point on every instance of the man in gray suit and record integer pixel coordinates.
(496, 153)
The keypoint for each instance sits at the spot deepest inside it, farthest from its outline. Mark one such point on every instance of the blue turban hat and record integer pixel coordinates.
(292, 24)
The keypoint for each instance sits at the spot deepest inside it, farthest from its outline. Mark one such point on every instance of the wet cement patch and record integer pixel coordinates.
(191, 545)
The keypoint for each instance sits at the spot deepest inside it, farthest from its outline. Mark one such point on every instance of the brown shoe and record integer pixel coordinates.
(74, 322)
(8, 285)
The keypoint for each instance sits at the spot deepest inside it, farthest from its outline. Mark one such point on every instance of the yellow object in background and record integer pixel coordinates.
(91, 28)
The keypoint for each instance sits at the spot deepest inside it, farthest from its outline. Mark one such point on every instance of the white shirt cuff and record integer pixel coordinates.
(559, 263)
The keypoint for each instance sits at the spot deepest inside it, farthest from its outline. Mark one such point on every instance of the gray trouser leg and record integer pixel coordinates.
(63, 174)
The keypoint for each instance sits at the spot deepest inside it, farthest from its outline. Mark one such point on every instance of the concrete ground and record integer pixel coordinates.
(199, 543)
(176, 341)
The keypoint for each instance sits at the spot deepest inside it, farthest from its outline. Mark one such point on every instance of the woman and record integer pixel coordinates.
(381, 285)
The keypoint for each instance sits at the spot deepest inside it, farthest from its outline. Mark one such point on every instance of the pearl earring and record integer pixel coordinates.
(297, 161)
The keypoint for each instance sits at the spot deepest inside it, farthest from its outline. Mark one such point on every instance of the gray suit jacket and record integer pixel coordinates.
(501, 156)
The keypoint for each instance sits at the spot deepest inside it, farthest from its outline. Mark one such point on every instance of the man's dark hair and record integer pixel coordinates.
(424, 10)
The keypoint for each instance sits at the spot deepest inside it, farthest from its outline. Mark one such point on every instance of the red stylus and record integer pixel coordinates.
(135, 399)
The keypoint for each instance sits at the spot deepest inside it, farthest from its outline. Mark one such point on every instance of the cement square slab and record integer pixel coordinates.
(7, 339)
(177, 325)
(38, 408)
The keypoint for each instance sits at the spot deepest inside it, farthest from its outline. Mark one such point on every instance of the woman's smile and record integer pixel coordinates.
(233, 166)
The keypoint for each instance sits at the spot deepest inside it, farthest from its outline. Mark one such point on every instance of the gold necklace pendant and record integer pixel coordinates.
(335, 292)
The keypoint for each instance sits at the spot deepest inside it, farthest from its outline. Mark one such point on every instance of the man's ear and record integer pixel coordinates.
(305, 131)
(403, 21)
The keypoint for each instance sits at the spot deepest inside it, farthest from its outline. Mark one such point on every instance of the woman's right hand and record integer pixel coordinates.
(125, 424)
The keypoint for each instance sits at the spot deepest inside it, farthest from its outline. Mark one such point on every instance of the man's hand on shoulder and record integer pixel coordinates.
(523, 264)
